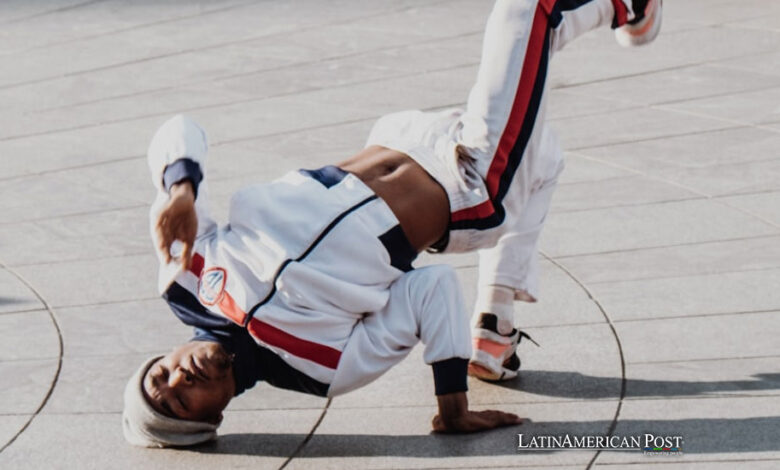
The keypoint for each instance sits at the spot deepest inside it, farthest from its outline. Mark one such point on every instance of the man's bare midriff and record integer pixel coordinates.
(416, 199)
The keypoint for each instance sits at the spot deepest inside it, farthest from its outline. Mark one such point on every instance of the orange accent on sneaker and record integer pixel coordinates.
(493, 348)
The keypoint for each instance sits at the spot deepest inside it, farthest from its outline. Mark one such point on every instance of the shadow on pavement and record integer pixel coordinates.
(700, 436)
(12, 300)
(576, 385)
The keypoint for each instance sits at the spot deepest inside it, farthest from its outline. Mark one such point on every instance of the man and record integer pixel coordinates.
(310, 285)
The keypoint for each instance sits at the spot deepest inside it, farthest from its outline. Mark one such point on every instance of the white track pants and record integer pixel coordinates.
(503, 125)
(425, 305)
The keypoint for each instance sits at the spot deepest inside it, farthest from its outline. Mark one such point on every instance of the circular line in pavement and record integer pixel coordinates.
(59, 355)
(308, 438)
(612, 425)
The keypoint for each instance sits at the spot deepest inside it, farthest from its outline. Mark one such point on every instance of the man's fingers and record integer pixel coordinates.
(164, 238)
(162, 246)
(500, 418)
(186, 257)
(509, 419)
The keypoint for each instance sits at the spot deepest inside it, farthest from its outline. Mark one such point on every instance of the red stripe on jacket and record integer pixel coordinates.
(196, 266)
(315, 352)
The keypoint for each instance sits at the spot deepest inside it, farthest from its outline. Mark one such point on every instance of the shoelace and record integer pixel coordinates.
(523, 334)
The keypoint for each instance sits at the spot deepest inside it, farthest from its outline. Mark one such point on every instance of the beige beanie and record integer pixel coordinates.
(145, 427)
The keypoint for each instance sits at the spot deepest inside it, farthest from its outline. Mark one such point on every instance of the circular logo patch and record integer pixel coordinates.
(211, 285)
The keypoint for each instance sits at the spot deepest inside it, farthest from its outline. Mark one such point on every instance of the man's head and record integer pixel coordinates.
(177, 399)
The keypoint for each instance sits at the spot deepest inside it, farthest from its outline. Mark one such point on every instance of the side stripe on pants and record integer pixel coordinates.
(517, 132)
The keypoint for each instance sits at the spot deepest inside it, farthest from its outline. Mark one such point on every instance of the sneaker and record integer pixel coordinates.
(645, 27)
(495, 355)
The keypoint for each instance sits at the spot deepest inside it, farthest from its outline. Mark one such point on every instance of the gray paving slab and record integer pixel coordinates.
(615, 192)
(647, 123)
(676, 261)
(750, 107)
(747, 291)
(565, 102)
(634, 227)
(717, 12)
(683, 47)
(269, 48)
(25, 384)
(679, 84)
(90, 282)
(79, 236)
(681, 339)
(580, 168)
(28, 335)
(19, 11)
(763, 204)
(93, 384)
(231, 84)
(28, 193)
(725, 179)
(761, 63)
(10, 425)
(775, 126)
(121, 328)
(693, 151)
(95, 19)
(254, 20)
(266, 397)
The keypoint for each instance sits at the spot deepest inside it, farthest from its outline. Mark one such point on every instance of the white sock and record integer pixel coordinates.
(498, 300)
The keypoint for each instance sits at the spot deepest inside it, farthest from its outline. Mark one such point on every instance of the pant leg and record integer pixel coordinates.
(503, 130)
(519, 157)
(500, 129)
(513, 261)
(517, 39)
(178, 151)
(425, 305)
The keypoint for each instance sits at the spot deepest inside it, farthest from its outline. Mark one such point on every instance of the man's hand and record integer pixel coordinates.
(455, 417)
(178, 221)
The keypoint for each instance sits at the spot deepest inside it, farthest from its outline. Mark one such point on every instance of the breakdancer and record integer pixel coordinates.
(310, 285)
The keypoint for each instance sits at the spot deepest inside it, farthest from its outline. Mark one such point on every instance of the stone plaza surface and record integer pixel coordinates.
(660, 306)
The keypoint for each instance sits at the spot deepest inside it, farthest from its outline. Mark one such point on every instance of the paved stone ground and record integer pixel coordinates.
(660, 259)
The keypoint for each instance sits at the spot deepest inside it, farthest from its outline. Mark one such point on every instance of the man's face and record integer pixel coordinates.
(193, 382)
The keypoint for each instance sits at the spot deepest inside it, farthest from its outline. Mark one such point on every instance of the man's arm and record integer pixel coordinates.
(455, 417)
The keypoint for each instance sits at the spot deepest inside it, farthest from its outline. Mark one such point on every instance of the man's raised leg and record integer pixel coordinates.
(504, 131)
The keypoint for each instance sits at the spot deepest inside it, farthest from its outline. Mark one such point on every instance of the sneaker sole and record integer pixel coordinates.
(483, 373)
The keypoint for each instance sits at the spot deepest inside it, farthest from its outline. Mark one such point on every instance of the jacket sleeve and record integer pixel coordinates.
(177, 153)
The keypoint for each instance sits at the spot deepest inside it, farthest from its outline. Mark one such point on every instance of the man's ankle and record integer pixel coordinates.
(495, 305)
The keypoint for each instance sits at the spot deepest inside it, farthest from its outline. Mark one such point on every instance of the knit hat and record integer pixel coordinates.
(145, 427)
